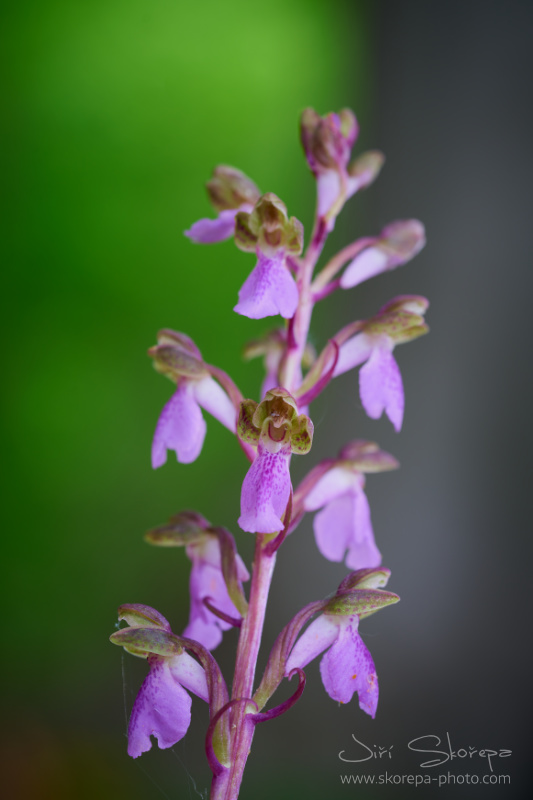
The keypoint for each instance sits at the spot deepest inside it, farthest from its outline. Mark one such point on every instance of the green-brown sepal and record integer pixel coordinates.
(230, 188)
(362, 602)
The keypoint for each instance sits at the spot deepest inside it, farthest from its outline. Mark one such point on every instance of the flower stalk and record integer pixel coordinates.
(271, 430)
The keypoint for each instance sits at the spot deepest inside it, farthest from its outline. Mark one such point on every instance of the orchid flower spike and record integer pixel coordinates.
(343, 524)
(380, 381)
(327, 142)
(347, 666)
(181, 426)
(163, 706)
(398, 243)
(276, 430)
(270, 288)
(230, 191)
(208, 548)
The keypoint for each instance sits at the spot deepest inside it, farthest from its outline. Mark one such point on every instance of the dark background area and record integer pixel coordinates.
(115, 114)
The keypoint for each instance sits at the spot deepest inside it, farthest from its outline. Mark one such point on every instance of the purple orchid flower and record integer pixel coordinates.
(163, 707)
(277, 430)
(230, 191)
(268, 232)
(181, 426)
(380, 380)
(344, 523)
(398, 243)
(207, 582)
(347, 667)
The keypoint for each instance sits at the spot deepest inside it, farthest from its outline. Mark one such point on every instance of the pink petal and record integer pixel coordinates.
(353, 352)
(333, 528)
(268, 290)
(189, 674)
(207, 581)
(328, 190)
(348, 667)
(345, 524)
(202, 630)
(381, 388)
(180, 427)
(362, 550)
(211, 396)
(265, 493)
(320, 635)
(162, 709)
(370, 262)
(332, 484)
(209, 231)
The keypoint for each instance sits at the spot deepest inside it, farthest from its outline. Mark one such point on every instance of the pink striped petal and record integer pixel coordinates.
(265, 493)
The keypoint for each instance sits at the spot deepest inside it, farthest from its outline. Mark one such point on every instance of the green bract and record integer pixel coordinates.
(142, 641)
(362, 602)
(181, 530)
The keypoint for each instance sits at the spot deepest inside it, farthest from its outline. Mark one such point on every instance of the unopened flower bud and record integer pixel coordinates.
(230, 188)
(328, 140)
(364, 170)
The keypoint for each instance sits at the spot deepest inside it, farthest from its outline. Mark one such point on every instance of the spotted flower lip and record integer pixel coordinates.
(347, 666)
(265, 492)
(269, 289)
(163, 706)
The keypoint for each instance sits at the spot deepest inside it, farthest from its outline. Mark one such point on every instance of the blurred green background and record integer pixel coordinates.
(115, 113)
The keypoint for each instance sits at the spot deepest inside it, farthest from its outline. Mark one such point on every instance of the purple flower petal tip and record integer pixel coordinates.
(180, 427)
(211, 231)
(381, 387)
(162, 709)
